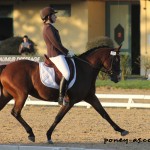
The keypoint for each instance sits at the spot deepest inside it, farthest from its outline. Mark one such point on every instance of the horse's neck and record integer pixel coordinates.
(96, 58)
(85, 70)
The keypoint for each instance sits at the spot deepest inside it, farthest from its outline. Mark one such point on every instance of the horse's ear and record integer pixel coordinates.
(118, 49)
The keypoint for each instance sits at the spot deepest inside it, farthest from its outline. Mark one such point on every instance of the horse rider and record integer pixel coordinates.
(55, 50)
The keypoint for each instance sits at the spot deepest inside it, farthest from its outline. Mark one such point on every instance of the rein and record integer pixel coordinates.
(108, 71)
(95, 67)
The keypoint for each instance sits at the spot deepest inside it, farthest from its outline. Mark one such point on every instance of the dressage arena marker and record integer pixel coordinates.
(129, 104)
(19, 147)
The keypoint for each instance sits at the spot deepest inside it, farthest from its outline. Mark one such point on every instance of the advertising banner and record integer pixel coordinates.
(6, 59)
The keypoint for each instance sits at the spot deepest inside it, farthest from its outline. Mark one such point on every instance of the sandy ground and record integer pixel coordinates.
(81, 127)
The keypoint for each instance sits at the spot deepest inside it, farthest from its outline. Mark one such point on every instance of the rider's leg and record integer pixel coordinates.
(62, 90)
(63, 67)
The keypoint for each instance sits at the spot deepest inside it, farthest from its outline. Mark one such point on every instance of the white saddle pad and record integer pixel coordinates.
(47, 76)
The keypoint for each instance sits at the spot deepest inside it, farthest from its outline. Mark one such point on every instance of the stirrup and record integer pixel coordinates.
(60, 100)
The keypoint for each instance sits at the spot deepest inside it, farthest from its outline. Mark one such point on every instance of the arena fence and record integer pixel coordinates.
(131, 101)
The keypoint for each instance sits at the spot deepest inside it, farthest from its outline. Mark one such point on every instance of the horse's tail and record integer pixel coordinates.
(1, 69)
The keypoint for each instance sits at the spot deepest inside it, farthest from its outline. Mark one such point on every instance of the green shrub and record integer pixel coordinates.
(103, 76)
(144, 61)
(124, 64)
(101, 41)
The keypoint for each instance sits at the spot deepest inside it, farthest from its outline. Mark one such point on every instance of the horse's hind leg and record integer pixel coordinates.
(94, 101)
(16, 112)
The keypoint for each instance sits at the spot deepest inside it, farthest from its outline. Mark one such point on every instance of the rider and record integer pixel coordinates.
(55, 50)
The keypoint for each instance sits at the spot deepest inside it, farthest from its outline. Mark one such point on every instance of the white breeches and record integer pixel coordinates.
(62, 65)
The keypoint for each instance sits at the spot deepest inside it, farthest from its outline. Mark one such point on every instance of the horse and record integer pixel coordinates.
(21, 78)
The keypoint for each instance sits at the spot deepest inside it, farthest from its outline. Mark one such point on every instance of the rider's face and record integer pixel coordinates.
(25, 39)
(53, 18)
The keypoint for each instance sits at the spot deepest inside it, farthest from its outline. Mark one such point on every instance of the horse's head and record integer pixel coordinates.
(111, 64)
(104, 59)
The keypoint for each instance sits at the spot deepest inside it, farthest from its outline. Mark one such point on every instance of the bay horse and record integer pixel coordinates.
(21, 78)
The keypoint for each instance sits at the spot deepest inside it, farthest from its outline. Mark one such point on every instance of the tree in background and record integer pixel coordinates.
(124, 64)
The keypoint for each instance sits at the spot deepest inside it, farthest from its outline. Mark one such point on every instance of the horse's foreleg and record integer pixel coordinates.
(58, 118)
(16, 112)
(94, 101)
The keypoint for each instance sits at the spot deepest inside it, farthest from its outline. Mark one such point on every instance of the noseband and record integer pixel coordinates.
(110, 70)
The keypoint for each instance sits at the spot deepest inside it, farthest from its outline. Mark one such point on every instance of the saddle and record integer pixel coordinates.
(58, 74)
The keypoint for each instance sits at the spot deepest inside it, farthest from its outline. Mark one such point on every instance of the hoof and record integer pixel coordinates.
(50, 142)
(31, 138)
(124, 133)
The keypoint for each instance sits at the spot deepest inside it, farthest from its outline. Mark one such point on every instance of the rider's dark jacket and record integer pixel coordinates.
(53, 41)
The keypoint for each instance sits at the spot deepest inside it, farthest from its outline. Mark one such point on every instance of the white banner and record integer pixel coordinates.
(5, 59)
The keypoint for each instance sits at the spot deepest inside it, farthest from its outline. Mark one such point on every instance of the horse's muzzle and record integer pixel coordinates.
(115, 78)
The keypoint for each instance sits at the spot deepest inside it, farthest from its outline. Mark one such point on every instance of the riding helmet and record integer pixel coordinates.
(46, 11)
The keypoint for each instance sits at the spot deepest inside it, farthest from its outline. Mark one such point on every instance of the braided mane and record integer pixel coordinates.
(97, 43)
(91, 51)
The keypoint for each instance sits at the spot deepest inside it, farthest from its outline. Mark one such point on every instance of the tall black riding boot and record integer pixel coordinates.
(62, 90)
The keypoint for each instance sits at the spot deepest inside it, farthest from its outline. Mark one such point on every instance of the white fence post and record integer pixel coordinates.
(129, 103)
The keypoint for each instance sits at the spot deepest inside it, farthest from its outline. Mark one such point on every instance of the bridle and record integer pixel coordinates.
(108, 71)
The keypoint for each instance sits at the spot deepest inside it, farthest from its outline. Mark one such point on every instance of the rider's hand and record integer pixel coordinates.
(70, 54)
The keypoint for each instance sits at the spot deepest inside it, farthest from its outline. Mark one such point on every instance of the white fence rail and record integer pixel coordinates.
(119, 97)
(130, 100)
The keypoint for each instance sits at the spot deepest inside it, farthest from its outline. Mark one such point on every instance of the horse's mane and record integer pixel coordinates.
(91, 51)
(97, 43)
